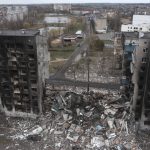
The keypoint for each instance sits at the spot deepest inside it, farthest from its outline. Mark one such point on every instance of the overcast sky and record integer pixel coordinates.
(70, 1)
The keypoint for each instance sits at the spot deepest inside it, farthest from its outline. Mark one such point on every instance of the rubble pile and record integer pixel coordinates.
(86, 121)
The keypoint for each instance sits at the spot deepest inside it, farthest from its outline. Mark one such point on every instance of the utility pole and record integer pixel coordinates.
(74, 74)
(88, 59)
(88, 68)
(59, 20)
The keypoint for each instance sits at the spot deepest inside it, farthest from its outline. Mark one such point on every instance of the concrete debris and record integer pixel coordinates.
(72, 137)
(110, 111)
(58, 132)
(36, 131)
(121, 147)
(30, 134)
(99, 128)
(86, 121)
(112, 135)
(110, 122)
(97, 142)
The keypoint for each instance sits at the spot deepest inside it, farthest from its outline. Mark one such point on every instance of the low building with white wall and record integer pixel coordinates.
(141, 19)
(140, 23)
(135, 28)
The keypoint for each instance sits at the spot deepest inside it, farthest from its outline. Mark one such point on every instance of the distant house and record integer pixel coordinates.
(101, 25)
(111, 14)
(79, 34)
(80, 12)
(85, 12)
(69, 39)
(62, 7)
(76, 12)
(56, 43)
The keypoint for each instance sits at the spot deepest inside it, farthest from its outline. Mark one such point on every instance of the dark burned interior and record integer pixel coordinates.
(18, 73)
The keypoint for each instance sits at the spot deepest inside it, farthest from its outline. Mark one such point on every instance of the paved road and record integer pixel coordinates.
(106, 36)
(69, 82)
(79, 50)
(83, 47)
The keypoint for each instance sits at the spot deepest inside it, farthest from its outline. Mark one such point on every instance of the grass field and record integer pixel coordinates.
(61, 53)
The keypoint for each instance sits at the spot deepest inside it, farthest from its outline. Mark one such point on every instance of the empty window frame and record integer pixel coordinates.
(145, 50)
(144, 60)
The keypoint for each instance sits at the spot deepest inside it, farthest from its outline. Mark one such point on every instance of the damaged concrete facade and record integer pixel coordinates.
(140, 80)
(24, 63)
(118, 49)
(135, 71)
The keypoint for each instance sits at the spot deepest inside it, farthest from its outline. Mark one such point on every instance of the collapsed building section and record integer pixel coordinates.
(24, 63)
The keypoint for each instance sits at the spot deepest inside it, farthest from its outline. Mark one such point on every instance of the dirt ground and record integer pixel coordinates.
(101, 68)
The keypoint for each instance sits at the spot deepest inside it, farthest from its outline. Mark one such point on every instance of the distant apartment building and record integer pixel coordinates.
(141, 19)
(13, 13)
(24, 63)
(140, 23)
(62, 7)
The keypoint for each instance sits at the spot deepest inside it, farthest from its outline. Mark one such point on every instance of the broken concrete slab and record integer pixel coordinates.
(72, 137)
(110, 122)
(97, 142)
(110, 111)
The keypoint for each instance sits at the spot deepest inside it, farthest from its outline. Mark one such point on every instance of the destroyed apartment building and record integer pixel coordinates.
(136, 75)
(24, 63)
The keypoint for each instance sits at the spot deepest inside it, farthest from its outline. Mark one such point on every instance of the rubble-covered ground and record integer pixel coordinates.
(74, 121)
(101, 68)
(77, 120)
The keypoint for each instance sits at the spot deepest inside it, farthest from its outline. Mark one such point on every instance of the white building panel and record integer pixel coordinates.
(135, 28)
(141, 19)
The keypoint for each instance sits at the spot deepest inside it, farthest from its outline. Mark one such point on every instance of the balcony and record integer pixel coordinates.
(128, 56)
(129, 48)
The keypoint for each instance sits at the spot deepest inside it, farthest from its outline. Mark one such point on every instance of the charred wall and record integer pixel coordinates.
(21, 83)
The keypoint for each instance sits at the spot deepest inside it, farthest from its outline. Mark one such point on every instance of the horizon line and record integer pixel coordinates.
(74, 3)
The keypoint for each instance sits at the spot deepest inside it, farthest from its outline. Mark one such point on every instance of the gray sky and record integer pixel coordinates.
(70, 1)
